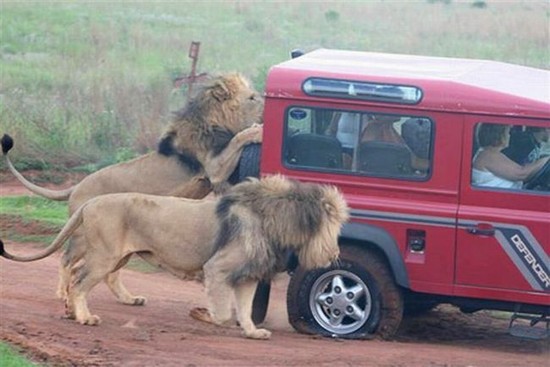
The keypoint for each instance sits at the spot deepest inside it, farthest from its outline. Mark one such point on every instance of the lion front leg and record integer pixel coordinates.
(219, 167)
(244, 297)
(219, 298)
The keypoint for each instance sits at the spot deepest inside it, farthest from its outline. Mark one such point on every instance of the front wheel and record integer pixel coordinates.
(356, 298)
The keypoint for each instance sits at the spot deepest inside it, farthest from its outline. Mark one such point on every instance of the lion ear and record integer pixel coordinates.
(220, 91)
(335, 205)
(329, 208)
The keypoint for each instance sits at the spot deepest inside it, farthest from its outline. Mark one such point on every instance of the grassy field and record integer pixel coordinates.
(9, 357)
(91, 82)
(50, 213)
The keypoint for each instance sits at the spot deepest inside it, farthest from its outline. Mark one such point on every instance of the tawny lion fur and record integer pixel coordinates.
(237, 240)
(206, 138)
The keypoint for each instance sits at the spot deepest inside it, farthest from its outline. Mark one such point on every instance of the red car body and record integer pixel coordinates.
(441, 235)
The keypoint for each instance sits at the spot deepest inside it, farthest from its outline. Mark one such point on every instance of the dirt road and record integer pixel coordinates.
(162, 334)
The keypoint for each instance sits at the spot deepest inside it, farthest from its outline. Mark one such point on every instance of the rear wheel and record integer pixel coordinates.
(357, 298)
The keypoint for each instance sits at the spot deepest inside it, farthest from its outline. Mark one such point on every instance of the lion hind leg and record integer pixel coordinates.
(81, 312)
(244, 296)
(86, 274)
(72, 255)
(63, 283)
(77, 305)
(119, 290)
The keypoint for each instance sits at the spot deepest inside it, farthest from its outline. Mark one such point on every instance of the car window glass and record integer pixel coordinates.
(361, 143)
(511, 157)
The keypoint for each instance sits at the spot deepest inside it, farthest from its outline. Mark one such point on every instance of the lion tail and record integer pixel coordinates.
(72, 224)
(59, 195)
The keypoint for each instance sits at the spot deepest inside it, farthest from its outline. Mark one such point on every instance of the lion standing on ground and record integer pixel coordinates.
(238, 240)
(205, 139)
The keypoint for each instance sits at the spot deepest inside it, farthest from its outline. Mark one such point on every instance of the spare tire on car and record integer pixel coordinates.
(249, 164)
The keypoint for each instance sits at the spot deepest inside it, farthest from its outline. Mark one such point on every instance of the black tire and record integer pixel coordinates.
(362, 289)
(249, 164)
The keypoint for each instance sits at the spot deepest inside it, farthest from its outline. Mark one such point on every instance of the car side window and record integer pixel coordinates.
(513, 157)
(360, 143)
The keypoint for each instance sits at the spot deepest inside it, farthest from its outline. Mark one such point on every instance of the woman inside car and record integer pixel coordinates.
(494, 169)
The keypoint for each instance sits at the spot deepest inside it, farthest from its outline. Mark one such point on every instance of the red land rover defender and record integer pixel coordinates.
(399, 136)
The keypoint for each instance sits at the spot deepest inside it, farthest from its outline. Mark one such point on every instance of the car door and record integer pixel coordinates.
(503, 237)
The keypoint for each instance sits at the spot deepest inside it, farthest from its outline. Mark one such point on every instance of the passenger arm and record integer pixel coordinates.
(504, 167)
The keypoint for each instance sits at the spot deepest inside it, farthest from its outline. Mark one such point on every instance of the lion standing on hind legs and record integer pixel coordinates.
(206, 138)
(238, 239)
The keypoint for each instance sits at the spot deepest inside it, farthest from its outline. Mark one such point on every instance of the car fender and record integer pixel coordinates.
(384, 242)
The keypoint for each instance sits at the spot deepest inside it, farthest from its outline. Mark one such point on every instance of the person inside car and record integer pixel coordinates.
(493, 168)
(381, 128)
(526, 146)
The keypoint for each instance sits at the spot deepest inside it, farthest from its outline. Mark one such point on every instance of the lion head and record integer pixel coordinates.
(276, 214)
(220, 108)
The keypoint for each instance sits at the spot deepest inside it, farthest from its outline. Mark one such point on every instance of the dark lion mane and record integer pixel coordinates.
(290, 214)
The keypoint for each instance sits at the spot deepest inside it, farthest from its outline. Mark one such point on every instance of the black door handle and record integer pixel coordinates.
(482, 229)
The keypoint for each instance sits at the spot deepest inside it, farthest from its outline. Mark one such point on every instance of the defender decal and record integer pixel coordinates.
(527, 254)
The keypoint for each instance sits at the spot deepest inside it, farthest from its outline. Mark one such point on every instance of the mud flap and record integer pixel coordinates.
(537, 328)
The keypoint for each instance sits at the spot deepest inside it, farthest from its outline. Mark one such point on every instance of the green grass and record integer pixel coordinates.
(39, 219)
(10, 357)
(81, 80)
(44, 239)
(50, 213)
